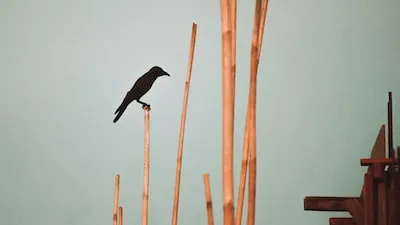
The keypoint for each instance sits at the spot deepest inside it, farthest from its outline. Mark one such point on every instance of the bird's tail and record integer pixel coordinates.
(121, 109)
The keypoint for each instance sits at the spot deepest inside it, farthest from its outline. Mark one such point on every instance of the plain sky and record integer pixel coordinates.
(325, 70)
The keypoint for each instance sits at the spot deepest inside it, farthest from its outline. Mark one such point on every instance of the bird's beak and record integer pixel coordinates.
(166, 74)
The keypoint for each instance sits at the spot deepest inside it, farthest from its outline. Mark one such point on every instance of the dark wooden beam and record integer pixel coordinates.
(382, 161)
(341, 221)
(370, 205)
(354, 207)
(332, 204)
(390, 125)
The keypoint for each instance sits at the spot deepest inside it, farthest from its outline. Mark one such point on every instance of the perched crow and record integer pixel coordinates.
(140, 88)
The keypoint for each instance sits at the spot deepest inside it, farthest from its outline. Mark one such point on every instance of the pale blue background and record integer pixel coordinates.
(325, 70)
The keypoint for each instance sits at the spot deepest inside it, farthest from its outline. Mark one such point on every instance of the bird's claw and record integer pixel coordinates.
(146, 107)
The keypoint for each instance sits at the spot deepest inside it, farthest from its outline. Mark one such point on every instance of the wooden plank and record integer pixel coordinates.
(394, 199)
(327, 204)
(381, 207)
(356, 210)
(393, 207)
(378, 150)
(369, 199)
(382, 161)
(341, 221)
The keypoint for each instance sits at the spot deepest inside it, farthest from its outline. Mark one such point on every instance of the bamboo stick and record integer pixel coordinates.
(233, 15)
(207, 192)
(116, 198)
(182, 129)
(252, 117)
(264, 10)
(245, 154)
(233, 12)
(243, 172)
(145, 206)
(120, 215)
(228, 113)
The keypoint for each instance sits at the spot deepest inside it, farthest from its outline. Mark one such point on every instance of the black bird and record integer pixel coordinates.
(140, 88)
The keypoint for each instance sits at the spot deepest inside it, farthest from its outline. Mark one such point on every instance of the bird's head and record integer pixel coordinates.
(158, 71)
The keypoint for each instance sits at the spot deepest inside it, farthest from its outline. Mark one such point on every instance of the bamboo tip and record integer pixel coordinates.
(194, 28)
(146, 108)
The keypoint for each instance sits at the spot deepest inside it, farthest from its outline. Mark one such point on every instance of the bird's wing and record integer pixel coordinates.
(142, 85)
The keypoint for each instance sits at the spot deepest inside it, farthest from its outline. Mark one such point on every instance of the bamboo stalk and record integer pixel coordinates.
(252, 117)
(245, 154)
(233, 12)
(243, 172)
(207, 192)
(116, 198)
(228, 113)
(182, 128)
(120, 215)
(145, 206)
(264, 10)
(233, 15)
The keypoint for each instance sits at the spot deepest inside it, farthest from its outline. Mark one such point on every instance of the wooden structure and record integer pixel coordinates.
(379, 203)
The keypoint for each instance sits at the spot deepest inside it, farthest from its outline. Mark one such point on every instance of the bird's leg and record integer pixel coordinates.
(144, 104)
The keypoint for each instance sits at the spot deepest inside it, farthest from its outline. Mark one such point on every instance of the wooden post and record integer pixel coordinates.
(391, 215)
(182, 129)
(390, 126)
(368, 198)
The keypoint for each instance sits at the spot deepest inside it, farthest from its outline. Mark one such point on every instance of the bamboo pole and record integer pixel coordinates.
(145, 206)
(264, 10)
(182, 129)
(233, 13)
(252, 118)
(245, 154)
(120, 215)
(207, 192)
(116, 198)
(243, 172)
(228, 113)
